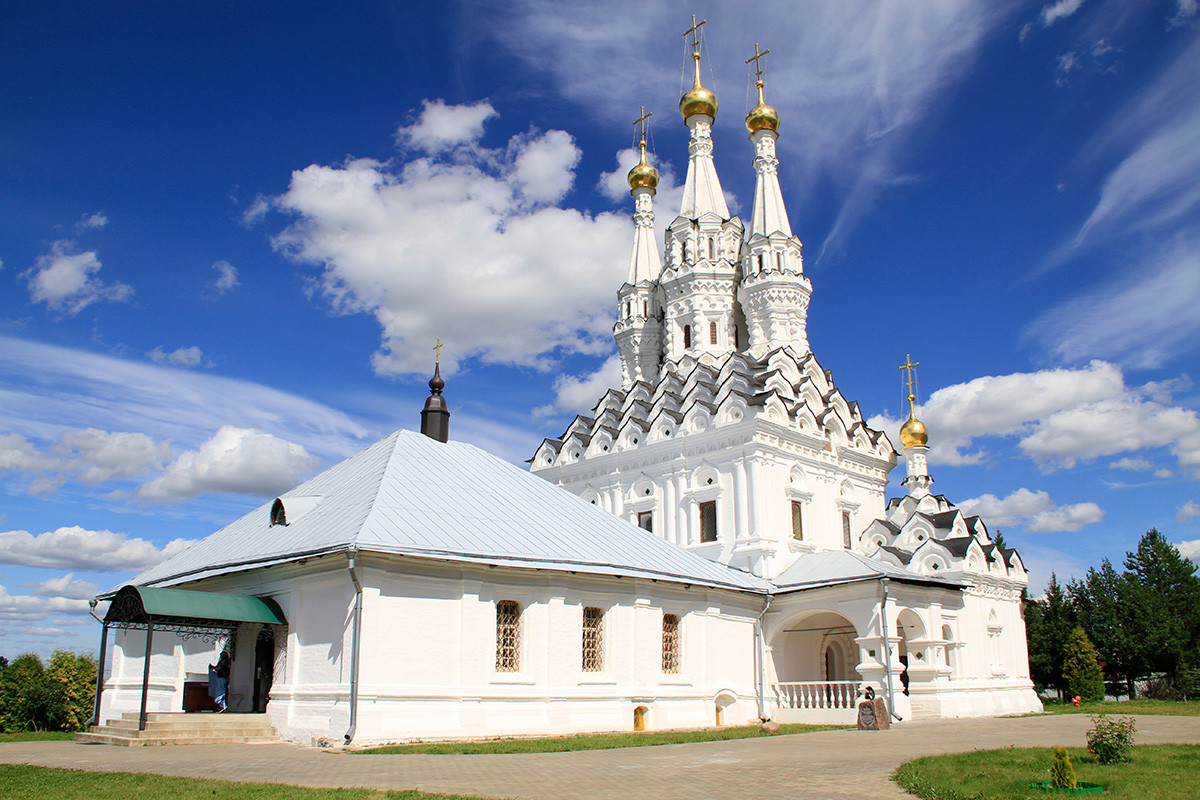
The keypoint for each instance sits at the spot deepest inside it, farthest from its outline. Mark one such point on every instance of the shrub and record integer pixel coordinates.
(1062, 774)
(1111, 738)
(1081, 669)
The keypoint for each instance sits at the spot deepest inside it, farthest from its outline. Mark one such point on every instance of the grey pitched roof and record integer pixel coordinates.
(410, 495)
(833, 567)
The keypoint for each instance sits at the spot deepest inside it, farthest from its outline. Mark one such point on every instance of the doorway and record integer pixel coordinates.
(264, 668)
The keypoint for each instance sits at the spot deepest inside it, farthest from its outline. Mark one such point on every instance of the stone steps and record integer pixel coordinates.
(178, 728)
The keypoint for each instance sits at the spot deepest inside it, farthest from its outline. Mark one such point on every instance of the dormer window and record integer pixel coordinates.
(278, 513)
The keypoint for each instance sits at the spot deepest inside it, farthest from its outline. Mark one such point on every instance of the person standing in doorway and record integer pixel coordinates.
(218, 679)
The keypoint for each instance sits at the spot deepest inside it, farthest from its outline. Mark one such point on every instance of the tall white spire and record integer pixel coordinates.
(702, 192)
(774, 292)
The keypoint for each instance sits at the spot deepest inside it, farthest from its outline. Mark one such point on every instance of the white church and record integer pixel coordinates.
(710, 547)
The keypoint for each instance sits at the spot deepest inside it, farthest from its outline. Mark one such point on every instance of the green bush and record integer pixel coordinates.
(1111, 738)
(1062, 774)
(56, 697)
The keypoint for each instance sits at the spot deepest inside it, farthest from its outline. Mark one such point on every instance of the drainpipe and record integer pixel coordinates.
(761, 657)
(95, 720)
(887, 648)
(354, 647)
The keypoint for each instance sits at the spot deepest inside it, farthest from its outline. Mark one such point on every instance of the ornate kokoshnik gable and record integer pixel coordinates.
(726, 434)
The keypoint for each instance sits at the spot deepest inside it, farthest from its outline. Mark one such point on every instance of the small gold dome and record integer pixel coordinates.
(698, 100)
(913, 432)
(762, 117)
(643, 176)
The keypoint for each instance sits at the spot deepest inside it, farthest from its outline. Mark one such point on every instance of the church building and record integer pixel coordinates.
(710, 546)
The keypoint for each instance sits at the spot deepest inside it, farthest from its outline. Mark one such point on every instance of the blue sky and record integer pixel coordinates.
(230, 234)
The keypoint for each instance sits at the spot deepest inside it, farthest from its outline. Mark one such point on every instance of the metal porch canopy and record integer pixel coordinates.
(183, 611)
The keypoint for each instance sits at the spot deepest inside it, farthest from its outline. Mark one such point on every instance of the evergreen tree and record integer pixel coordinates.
(1166, 597)
(1084, 677)
(1048, 623)
(1106, 605)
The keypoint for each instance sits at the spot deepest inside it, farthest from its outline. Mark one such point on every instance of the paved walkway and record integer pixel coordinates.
(831, 765)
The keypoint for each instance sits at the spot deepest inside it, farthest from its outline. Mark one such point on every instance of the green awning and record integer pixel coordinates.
(139, 605)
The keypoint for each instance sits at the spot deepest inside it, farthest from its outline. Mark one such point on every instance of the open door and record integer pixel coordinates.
(264, 668)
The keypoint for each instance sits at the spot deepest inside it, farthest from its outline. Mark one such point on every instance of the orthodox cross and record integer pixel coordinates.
(758, 70)
(437, 359)
(908, 365)
(695, 32)
(642, 120)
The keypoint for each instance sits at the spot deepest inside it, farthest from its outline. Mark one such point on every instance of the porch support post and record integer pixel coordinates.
(95, 720)
(146, 676)
(887, 648)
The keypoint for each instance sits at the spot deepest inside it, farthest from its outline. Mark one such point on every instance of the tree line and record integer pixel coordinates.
(56, 696)
(1144, 623)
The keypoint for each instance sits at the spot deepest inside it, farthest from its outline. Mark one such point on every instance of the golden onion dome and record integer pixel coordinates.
(913, 432)
(762, 117)
(643, 176)
(698, 100)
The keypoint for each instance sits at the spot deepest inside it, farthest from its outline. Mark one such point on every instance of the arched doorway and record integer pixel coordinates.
(815, 657)
(639, 718)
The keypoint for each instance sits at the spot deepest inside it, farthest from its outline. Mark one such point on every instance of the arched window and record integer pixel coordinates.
(593, 639)
(670, 644)
(687, 337)
(779, 261)
(646, 309)
(712, 333)
(508, 636)
(797, 520)
(760, 262)
(278, 513)
(712, 248)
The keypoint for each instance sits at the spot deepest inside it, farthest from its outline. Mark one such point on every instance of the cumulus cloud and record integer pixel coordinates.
(1060, 416)
(76, 548)
(26, 608)
(255, 212)
(1034, 511)
(17, 454)
(1187, 512)
(95, 456)
(67, 586)
(462, 246)
(578, 394)
(1190, 549)
(183, 357)
(440, 127)
(66, 281)
(235, 460)
(227, 277)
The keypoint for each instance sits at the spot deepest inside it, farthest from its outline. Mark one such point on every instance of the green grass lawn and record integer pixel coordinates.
(36, 736)
(20, 782)
(596, 741)
(1156, 772)
(1141, 705)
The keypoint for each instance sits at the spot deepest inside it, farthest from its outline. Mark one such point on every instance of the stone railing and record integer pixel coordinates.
(815, 694)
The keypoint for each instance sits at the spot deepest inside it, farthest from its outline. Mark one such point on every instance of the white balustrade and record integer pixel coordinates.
(815, 694)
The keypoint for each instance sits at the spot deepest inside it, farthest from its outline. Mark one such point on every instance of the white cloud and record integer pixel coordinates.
(92, 221)
(183, 357)
(1133, 464)
(1185, 10)
(856, 81)
(95, 456)
(459, 248)
(1066, 64)
(668, 198)
(46, 390)
(19, 455)
(66, 586)
(1145, 318)
(76, 548)
(1034, 511)
(1163, 472)
(25, 608)
(1060, 416)
(1187, 512)
(1190, 549)
(1153, 184)
(227, 277)
(1061, 9)
(234, 460)
(66, 282)
(441, 127)
(578, 394)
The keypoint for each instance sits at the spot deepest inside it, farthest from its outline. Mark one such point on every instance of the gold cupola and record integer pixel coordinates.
(913, 432)
(698, 100)
(762, 117)
(643, 176)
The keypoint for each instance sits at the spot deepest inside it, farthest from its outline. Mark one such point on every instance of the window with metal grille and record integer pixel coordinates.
(687, 336)
(508, 636)
(646, 520)
(797, 520)
(712, 333)
(708, 521)
(670, 644)
(846, 529)
(593, 639)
